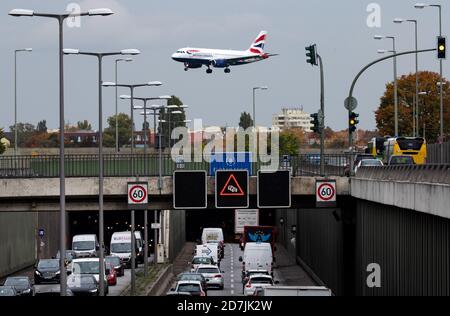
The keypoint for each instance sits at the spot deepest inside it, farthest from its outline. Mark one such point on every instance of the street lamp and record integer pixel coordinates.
(380, 37)
(441, 100)
(254, 111)
(416, 106)
(62, 188)
(100, 56)
(16, 138)
(117, 119)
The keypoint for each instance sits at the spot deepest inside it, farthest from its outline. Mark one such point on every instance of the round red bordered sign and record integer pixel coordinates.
(137, 194)
(328, 188)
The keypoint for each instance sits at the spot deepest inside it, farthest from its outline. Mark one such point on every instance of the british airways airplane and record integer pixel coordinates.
(198, 57)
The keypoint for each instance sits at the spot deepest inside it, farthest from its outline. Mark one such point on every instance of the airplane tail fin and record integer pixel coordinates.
(257, 46)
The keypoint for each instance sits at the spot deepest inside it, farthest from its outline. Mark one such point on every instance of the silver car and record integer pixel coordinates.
(212, 274)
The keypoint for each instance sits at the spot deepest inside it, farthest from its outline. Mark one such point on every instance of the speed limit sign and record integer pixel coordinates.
(325, 193)
(137, 195)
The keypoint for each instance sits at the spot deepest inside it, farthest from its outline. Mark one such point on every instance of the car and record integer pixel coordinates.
(118, 265)
(401, 160)
(358, 158)
(212, 274)
(193, 287)
(197, 260)
(83, 285)
(369, 163)
(90, 266)
(257, 281)
(51, 290)
(7, 291)
(194, 277)
(247, 274)
(21, 284)
(47, 271)
(173, 293)
(112, 275)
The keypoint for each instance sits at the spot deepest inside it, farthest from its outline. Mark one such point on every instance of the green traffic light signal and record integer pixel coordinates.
(442, 47)
(353, 121)
(311, 54)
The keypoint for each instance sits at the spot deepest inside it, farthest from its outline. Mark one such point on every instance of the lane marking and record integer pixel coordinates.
(232, 292)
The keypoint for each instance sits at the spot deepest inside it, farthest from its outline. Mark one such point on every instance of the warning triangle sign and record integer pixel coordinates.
(232, 187)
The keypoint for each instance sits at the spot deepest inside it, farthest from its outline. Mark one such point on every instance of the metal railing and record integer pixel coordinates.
(125, 165)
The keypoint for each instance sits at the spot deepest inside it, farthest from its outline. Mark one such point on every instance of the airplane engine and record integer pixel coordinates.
(193, 66)
(219, 63)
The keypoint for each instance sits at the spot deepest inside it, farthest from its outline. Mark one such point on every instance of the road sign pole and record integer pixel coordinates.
(155, 238)
(133, 256)
(322, 118)
(145, 242)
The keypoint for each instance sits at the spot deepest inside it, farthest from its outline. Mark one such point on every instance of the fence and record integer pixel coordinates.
(123, 165)
(434, 153)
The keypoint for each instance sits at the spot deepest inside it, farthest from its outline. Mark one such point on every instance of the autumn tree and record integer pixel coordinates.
(289, 143)
(2, 146)
(429, 107)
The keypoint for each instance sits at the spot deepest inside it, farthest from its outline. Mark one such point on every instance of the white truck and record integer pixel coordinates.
(296, 291)
(209, 250)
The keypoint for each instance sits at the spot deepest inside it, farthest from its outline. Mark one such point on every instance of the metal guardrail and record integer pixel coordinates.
(123, 165)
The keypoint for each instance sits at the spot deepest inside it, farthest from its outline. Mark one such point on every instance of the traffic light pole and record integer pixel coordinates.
(352, 87)
(322, 118)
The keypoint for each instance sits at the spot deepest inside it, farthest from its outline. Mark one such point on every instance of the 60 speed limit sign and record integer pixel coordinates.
(326, 193)
(137, 195)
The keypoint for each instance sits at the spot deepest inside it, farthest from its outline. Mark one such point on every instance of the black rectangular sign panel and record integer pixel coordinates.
(274, 189)
(232, 189)
(189, 189)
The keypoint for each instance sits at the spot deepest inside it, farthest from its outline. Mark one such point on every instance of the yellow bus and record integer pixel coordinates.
(412, 146)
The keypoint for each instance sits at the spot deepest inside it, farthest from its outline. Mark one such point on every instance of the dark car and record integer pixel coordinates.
(194, 277)
(83, 285)
(7, 291)
(51, 290)
(47, 271)
(118, 265)
(401, 160)
(21, 284)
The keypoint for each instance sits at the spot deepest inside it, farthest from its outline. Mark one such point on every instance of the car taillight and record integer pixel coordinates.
(248, 284)
(218, 276)
(202, 293)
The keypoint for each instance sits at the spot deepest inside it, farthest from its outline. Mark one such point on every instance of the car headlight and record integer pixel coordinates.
(58, 272)
(93, 291)
(27, 291)
(37, 272)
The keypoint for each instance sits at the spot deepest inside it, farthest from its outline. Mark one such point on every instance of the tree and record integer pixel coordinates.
(429, 107)
(109, 134)
(176, 120)
(42, 126)
(2, 146)
(289, 143)
(84, 125)
(245, 121)
(24, 131)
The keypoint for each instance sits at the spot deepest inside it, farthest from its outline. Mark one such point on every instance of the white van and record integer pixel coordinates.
(257, 256)
(85, 246)
(214, 235)
(120, 246)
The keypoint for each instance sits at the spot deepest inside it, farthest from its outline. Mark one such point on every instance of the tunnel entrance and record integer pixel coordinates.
(115, 221)
(196, 220)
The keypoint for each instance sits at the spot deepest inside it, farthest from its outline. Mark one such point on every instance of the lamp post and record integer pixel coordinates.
(379, 37)
(441, 100)
(117, 119)
(101, 233)
(15, 96)
(62, 189)
(254, 106)
(416, 105)
(133, 237)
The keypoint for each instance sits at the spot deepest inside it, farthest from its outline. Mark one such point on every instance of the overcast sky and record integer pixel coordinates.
(158, 28)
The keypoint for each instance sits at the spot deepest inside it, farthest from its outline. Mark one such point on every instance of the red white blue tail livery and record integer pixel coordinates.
(218, 58)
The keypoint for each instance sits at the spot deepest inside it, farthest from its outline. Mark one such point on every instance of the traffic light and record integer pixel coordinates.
(311, 54)
(442, 48)
(353, 121)
(315, 122)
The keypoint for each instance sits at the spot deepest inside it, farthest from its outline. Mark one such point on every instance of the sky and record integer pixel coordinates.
(158, 28)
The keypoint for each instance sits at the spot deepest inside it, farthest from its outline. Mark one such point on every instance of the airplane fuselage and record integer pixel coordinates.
(217, 58)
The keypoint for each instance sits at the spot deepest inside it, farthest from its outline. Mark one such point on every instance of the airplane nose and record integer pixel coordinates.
(174, 56)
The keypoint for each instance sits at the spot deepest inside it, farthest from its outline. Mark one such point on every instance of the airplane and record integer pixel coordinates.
(217, 58)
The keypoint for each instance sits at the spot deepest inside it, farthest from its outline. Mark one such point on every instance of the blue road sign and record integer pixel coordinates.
(231, 161)
(41, 232)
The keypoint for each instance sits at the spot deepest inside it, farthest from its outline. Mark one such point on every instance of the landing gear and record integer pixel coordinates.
(186, 68)
(209, 71)
(227, 70)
